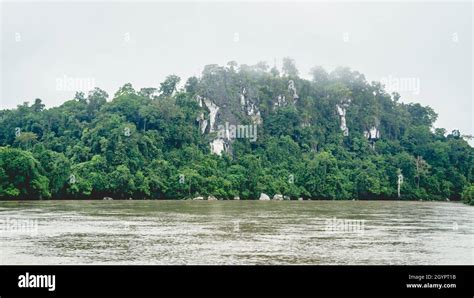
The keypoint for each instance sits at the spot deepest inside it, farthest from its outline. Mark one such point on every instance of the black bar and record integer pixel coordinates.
(290, 281)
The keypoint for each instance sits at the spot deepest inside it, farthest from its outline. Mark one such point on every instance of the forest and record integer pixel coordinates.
(333, 137)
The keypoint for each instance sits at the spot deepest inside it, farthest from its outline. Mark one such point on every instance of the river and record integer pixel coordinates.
(236, 232)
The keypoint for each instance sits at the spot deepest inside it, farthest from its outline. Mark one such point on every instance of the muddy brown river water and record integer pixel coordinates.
(236, 232)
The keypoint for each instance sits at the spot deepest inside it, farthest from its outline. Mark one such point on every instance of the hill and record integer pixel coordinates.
(234, 131)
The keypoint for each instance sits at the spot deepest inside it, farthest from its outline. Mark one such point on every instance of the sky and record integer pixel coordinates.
(423, 50)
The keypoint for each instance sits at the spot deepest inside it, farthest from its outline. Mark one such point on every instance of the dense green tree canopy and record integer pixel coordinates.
(149, 144)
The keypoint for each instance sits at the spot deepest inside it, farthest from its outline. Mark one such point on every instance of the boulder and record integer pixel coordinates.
(198, 199)
(278, 197)
(211, 198)
(300, 199)
(236, 198)
(286, 198)
(264, 197)
(108, 199)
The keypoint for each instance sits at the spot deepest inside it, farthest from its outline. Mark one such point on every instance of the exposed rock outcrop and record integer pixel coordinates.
(341, 111)
(218, 146)
(372, 134)
(213, 109)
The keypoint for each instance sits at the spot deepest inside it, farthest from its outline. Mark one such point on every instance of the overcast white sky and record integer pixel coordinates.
(113, 43)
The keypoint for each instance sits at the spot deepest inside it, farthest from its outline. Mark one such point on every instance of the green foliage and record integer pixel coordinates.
(143, 145)
(21, 175)
(169, 85)
(468, 195)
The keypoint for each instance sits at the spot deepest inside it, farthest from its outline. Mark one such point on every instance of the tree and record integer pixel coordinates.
(191, 86)
(261, 66)
(275, 72)
(56, 168)
(38, 106)
(422, 169)
(26, 139)
(169, 85)
(125, 90)
(320, 76)
(422, 115)
(289, 68)
(148, 92)
(323, 178)
(22, 175)
(468, 195)
(122, 182)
